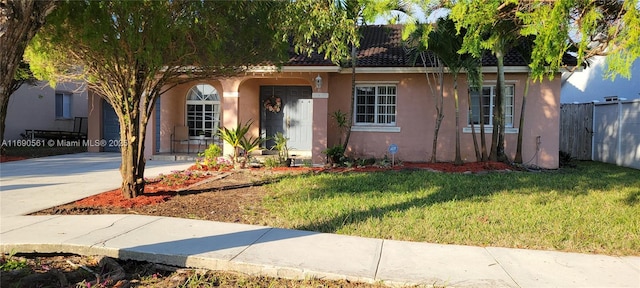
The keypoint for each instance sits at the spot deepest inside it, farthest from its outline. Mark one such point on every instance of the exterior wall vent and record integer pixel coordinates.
(610, 98)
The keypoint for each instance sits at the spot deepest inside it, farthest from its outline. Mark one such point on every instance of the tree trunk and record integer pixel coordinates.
(439, 113)
(133, 164)
(132, 184)
(497, 137)
(4, 104)
(473, 130)
(483, 136)
(132, 135)
(19, 22)
(458, 159)
(354, 62)
(434, 148)
(518, 158)
(502, 156)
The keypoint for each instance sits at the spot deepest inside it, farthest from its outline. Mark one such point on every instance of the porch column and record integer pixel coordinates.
(230, 109)
(320, 120)
(94, 130)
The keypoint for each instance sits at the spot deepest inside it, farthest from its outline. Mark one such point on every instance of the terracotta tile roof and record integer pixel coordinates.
(512, 58)
(382, 46)
(303, 60)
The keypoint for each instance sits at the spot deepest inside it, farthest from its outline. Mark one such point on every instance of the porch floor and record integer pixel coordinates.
(300, 157)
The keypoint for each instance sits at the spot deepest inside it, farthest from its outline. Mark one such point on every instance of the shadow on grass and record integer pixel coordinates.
(571, 182)
(633, 198)
(442, 195)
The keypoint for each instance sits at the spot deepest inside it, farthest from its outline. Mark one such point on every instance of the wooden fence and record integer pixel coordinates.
(576, 124)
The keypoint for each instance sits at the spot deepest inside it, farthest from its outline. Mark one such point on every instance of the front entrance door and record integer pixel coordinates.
(293, 118)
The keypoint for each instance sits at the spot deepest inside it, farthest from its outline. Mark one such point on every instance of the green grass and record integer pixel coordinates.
(593, 208)
(10, 262)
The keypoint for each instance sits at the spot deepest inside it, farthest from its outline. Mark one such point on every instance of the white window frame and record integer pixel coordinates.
(63, 104)
(508, 106)
(203, 96)
(381, 119)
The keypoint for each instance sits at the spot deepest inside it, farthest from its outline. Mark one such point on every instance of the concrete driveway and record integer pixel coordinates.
(66, 177)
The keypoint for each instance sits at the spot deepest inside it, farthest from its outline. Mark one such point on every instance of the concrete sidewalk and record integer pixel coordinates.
(265, 250)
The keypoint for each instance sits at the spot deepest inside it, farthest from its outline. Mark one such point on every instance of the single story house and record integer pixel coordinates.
(40, 107)
(393, 105)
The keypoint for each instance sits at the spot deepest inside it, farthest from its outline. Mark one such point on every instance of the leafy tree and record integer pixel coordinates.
(332, 28)
(417, 35)
(323, 27)
(490, 26)
(446, 46)
(609, 28)
(586, 27)
(131, 52)
(525, 51)
(19, 22)
(445, 43)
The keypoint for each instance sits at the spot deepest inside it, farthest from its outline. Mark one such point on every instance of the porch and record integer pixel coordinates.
(300, 158)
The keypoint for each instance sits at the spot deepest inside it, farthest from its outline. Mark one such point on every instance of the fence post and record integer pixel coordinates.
(619, 134)
(593, 131)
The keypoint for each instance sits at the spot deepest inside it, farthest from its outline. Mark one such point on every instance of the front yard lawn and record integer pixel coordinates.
(594, 208)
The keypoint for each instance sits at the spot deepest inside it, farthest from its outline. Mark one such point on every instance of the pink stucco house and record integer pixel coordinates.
(393, 105)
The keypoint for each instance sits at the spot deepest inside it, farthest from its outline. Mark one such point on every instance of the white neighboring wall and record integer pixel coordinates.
(616, 133)
(588, 84)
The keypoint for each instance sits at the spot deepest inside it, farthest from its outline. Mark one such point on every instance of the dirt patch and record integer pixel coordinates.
(226, 196)
(42, 270)
(216, 196)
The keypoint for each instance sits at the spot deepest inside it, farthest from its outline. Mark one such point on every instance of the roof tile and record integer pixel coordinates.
(382, 46)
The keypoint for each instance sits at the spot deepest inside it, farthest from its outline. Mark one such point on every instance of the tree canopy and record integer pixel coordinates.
(585, 27)
(554, 29)
(331, 27)
(19, 22)
(131, 52)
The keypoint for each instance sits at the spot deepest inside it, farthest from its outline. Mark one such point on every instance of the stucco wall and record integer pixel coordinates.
(34, 107)
(173, 109)
(95, 120)
(239, 100)
(416, 117)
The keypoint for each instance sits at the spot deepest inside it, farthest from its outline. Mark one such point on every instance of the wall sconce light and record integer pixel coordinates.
(318, 82)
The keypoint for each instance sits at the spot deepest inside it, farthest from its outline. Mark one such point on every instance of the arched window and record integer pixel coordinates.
(203, 110)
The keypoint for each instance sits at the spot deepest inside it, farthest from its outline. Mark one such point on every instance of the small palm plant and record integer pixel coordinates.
(281, 146)
(237, 138)
(234, 137)
(249, 145)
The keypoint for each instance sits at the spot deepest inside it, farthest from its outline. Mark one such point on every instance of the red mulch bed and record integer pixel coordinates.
(154, 193)
(5, 158)
(473, 167)
(466, 167)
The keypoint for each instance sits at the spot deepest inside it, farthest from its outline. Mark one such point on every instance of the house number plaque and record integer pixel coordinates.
(393, 149)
